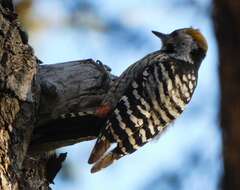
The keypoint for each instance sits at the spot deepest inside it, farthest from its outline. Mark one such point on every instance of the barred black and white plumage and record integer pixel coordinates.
(152, 93)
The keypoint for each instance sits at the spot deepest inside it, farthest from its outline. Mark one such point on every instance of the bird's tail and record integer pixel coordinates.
(100, 158)
(99, 149)
(105, 161)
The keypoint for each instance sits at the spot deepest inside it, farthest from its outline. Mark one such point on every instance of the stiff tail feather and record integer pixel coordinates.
(105, 161)
(99, 149)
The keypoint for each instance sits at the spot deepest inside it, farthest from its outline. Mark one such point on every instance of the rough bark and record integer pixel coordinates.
(18, 97)
(69, 88)
(32, 97)
(227, 27)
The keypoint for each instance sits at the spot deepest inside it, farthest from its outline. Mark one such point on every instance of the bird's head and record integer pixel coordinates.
(187, 44)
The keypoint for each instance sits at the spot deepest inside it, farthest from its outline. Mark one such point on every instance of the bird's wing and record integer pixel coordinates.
(119, 86)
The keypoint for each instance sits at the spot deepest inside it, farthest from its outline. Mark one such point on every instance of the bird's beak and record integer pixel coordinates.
(162, 36)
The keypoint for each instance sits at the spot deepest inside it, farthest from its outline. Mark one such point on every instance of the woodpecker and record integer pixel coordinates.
(150, 95)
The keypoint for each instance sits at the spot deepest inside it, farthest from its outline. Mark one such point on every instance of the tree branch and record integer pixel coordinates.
(69, 87)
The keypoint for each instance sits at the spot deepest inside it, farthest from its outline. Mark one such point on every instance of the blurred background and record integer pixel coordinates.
(188, 155)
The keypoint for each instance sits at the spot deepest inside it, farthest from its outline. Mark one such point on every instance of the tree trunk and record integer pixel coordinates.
(32, 97)
(18, 97)
(227, 27)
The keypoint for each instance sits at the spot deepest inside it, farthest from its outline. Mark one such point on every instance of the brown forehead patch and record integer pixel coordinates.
(198, 37)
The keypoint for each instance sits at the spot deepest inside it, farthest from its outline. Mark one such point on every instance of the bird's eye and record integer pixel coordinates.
(183, 43)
